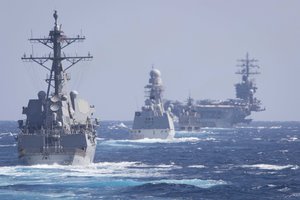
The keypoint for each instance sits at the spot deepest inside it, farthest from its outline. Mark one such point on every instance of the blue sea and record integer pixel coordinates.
(260, 161)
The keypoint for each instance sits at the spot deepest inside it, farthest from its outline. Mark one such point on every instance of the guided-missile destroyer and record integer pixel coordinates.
(59, 128)
(223, 114)
(153, 121)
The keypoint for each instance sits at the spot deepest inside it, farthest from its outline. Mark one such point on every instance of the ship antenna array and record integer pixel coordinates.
(247, 66)
(56, 41)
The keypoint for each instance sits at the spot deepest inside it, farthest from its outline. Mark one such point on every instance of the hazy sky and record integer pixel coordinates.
(194, 43)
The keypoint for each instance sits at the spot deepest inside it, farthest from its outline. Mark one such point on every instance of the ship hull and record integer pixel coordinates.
(146, 125)
(189, 128)
(222, 117)
(75, 149)
(215, 117)
(152, 134)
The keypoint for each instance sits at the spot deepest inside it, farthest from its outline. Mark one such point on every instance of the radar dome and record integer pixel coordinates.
(155, 73)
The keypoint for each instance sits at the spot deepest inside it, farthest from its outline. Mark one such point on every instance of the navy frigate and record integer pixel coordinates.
(221, 114)
(59, 128)
(153, 121)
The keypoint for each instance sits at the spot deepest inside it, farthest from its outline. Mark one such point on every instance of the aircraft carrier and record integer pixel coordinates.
(221, 114)
(59, 128)
(153, 121)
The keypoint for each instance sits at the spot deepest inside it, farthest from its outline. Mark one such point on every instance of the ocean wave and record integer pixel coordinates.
(101, 169)
(149, 141)
(290, 139)
(295, 195)
(284, 189)
(261, 127)
(284, 151)
(119, 143)
(218, 129)
(271, 167)
(99, 139)
(138, 143)
(193, 182)
(8, 145)
(196, 166)
(275, 127)
(118, 126)
(8, 134)
(190, 133)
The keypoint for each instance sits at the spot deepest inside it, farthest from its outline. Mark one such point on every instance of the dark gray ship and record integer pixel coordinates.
(189, 118)
(221, 114)
(59, 128)
(153, 121)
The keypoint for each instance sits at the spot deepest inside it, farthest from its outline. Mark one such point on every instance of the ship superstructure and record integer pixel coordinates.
(189, 118)
(153, 121)
(246, 89)
(227, 113)
(59, 128)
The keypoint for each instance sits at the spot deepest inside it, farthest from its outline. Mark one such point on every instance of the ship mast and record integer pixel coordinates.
(154, 92)
(56, 41)
(247, 66)
(247, 88)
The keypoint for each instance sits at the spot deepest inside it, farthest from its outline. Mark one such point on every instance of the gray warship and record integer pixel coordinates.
(59, 128)
(221, 114)
(153, 121)
(189, 118)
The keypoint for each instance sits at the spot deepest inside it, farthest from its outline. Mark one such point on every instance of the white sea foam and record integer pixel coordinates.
(295, 167)
(275, 127)
(209, 139)
(119, 143)
(122, 125)
(117, 126)
(194, 182)
(271, 167)
(128, 143)
(101, 169)
(190, 133)
(8, 134)
(261, 127)
(291, 139)
(295, 195)
(197, 166)
(285, 189)
(174, 140)
(8, 145)
(217, 129)
(271, 185)
(284, 151)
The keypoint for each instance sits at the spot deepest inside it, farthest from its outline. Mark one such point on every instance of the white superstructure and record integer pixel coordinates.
(153, 121)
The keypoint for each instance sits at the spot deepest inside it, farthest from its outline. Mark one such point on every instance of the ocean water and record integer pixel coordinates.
(257, 162)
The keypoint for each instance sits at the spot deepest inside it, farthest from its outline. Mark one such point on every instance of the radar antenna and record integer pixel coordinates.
(56, 41)
(246, 89)
(247, 67)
